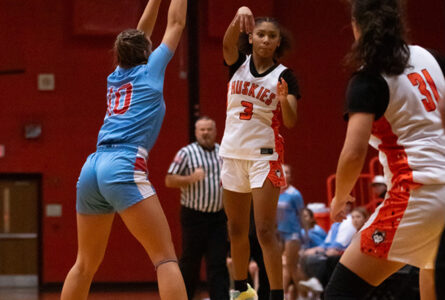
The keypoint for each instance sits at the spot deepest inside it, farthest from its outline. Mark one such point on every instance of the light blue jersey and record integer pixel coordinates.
(115, 177)
(314, 238)
(135, 100)
(290, 204)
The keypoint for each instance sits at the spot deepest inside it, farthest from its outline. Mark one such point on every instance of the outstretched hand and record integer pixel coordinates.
(244, 17)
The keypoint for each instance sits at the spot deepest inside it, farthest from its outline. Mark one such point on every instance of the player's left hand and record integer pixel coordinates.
(338, 212)
(282, 89)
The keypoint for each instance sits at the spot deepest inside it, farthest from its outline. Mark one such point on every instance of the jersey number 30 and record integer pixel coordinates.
(423, 83)
(114, 97)
(248, 110)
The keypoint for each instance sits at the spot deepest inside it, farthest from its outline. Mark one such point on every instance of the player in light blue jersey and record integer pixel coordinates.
(290, 205)
(114, 178)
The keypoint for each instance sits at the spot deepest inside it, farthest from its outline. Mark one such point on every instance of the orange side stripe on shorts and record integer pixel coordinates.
(377, 239)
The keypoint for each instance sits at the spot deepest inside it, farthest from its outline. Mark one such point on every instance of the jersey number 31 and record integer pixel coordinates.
(422, 83)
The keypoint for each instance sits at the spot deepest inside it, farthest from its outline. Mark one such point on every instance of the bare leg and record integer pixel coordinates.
(292, 292)
(371, 269)
(265, 201)
(148, 224)
(287, 280)
(92, 233)
(426, 284)
(237, 207)
(291, 249)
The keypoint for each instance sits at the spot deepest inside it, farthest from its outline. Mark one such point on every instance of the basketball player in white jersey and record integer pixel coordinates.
(260, 93)
(392, 102)
(440, 258)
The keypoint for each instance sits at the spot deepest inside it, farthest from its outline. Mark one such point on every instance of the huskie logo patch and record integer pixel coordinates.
(378, 236)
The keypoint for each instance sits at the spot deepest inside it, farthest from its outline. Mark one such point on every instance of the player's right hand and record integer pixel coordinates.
(198, 175)
(245, 19)
(338, 206)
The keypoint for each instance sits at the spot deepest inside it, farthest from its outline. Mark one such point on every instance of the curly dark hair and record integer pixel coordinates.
(381, 47)
(285, 44)
(131, 48)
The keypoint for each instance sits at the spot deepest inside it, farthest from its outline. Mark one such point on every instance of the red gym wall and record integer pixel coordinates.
(72, 40)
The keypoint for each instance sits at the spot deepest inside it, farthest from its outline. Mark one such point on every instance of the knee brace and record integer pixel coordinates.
(346, 285)
(169, 260)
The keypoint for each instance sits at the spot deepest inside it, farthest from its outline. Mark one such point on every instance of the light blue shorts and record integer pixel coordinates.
(289, 236)
(113, 178)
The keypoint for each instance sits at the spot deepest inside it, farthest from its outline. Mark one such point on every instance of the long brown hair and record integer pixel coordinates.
(131, 48)
(381, 47)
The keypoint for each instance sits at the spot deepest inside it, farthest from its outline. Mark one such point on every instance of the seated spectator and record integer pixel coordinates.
(312, 234)
(359, 217)
(338, 238)
(319, 262)
(379, 189)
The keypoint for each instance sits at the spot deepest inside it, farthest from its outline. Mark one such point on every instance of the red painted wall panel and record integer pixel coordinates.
(104, 17)
(72, 114)
(12, 58)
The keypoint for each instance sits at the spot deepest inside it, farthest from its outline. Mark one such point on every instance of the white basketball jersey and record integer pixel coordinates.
(253, 111)
(410, 136)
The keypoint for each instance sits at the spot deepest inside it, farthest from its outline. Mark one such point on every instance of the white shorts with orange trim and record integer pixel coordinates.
(406, 227)
(242, 176)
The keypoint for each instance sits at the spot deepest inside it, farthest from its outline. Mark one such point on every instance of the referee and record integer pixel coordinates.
(196, 171)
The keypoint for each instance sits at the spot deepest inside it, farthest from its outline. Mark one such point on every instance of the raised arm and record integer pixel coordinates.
(148, 18)
(177, 13)
(242, 22)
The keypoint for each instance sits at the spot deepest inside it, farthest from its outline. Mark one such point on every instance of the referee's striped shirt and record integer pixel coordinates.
(204, 195)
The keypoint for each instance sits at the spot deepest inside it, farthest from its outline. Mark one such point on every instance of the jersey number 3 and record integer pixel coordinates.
(248, 110)
(114, 97)
(423, 83)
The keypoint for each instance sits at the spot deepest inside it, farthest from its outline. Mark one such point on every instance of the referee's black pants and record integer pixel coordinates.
(204, 235)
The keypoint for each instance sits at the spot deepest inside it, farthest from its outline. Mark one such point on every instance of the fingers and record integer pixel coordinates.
(246, 21)
(250, 22)
(282, 88)
(338, 216)
(283, 82)
(242, 24)
(200, 173)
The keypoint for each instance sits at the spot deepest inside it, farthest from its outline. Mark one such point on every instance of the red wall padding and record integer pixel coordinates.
(59, 37)
(104, 17)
